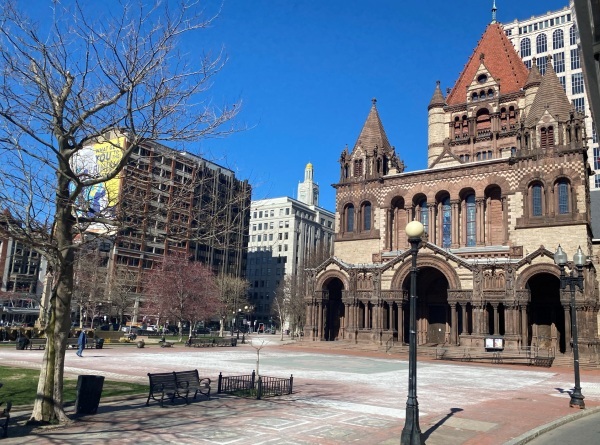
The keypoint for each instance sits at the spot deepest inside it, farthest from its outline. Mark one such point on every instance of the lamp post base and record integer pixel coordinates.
(411, 434)
(577, 399)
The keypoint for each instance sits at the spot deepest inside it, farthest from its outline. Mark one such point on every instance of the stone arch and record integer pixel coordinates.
(426, 260)
(328, 275)
(535, 269)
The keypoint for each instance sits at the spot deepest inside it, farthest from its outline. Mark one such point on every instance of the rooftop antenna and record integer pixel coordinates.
(494, 9)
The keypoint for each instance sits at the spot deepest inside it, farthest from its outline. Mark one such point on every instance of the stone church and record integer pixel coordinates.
(506, 183)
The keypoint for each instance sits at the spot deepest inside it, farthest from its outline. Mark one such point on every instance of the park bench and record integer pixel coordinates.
(5, 417)
(39, 343)
(176, 384)
(200, 342)
(191, 381)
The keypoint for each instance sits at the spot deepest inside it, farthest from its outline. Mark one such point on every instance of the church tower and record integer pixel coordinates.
(308, 191)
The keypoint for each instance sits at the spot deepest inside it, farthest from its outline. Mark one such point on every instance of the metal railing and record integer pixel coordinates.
(252, 387)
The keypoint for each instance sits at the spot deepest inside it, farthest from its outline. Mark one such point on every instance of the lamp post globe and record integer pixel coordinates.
(411, 434)
(414, 229)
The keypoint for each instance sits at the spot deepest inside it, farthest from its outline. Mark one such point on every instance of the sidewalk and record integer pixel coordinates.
(355, 397)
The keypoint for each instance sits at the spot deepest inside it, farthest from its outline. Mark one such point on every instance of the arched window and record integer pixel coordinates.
(474, 97)
(573, 35)
(465, 125)
(446, 223)
(541, 44)
(483, 120)
(366, 216)
(536, 200)
(349, 214)
(490, 93)
(525, 47)
(358, 168)
(457, 127)
(563, 197)
(470, 220)
(558, 40)
(424, 214)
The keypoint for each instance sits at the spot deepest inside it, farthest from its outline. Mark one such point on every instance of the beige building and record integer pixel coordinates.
(507, 181)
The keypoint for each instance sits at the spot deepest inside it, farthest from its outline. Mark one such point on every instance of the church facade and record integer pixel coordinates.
(506, 183)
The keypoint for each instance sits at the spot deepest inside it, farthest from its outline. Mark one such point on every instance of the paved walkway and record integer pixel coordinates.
(339, 398)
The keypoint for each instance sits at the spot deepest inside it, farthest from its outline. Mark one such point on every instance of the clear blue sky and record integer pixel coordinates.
(306, 71)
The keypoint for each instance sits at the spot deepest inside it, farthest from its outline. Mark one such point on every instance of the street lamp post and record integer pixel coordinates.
(411, 434)
(573, 281)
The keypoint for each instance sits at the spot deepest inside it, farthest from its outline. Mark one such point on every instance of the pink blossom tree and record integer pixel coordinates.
(181, 290)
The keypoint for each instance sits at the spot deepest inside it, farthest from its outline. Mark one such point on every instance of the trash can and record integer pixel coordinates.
(22, 343)
(99, 343)
(89, 389)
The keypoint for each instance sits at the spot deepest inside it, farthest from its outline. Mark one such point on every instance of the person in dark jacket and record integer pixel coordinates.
(81, 341)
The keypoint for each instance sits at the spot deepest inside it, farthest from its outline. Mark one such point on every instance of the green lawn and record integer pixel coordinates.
(20, 386)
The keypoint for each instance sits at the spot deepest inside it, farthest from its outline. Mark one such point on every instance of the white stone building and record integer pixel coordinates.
(284, 233)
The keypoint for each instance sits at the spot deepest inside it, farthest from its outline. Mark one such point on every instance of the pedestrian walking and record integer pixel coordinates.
(81, 341)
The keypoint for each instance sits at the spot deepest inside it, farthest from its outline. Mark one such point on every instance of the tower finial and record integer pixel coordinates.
(494, 9)
(374, 101)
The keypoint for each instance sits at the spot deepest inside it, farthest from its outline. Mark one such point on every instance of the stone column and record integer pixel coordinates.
(400, 322)
(479, 216)
(504, 203)
(432, 223)
(465, 323)
(462, 242)
(568, 333)
(319, 320)
(455, 223)
(524, 326)
(496, 319)
(454, 324)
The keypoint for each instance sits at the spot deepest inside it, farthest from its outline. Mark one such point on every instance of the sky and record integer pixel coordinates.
(307, 70)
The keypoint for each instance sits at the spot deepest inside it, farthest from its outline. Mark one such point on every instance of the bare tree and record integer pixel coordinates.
(89, 283)
(281, 303)
(232, 292)
(122, 294)
(182, 290)
(89, 85)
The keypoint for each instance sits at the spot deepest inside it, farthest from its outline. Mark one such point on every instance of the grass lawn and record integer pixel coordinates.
(20, 386)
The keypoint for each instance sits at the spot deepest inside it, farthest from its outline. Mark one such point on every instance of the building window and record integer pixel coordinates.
(527, 64)
(573, 35)
(536, 200)
(596, 158)
(470, 220)
(525, 48)
(541, 44)
(559, 62)
(579, 104)
(563, 82)
(446, 223)
(597, 181)
(563, 197)
(358, 168)
(577, 83)
(542, 67)
(424, 214)
(575, 62)
(366, 210)
(594, 134)
(349, 218)
(547, 137)
(558, 40)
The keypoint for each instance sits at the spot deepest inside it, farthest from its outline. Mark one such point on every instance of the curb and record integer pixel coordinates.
(536, 432)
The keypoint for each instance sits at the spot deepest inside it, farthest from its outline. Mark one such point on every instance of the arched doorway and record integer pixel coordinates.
(546, 313)
(433, 311)
(334, 310)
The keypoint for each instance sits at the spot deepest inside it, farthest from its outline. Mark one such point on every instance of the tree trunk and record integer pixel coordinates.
(48, 405)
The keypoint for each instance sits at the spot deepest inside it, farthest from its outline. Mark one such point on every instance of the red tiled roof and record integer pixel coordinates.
(501, 60)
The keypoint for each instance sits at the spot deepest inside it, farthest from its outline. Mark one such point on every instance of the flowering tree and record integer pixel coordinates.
(181, 290)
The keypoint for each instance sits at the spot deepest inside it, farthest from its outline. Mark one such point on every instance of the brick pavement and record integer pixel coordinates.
(340, 397)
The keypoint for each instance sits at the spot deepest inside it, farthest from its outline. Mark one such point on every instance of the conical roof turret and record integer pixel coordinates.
(437, 100)
(372, 134)
(535, 77)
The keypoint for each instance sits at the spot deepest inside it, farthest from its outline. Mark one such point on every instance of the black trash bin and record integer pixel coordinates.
(89, 389)
(22, 343)
(99, 343)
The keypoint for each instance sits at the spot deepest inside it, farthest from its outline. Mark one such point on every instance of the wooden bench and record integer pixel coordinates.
(39, 343)
(200, 342)
(191, 381)
(176, 384)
